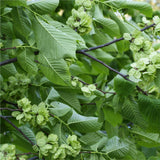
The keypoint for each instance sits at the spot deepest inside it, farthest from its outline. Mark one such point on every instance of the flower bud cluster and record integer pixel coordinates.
(34, 114)
(80, 20)
(147, 60)
(87, 90)
(49, 146)
(15, 88)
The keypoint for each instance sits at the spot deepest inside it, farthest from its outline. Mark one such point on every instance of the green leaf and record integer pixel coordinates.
(61, 110)
(112, 117)
(130, 111)
(109, 26)
(53, 95)
(91, 138)
(157, 78)
(55, 70)
(150, 108)
(101, 38)
(70, 98)
(43, 6)
(118, 148)
(100, 144)
(28, 132)
(26, 61)
(68, 31)
(124, 87)
(14, 2)
(21, 22)
(52, 42)
(146, 139)
(84, 124)
(143, 7)
(58, 130)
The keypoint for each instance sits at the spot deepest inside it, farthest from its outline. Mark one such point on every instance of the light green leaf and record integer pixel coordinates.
(43, 6)
(124, 87)
(150, 108)
(68, 31)
(84, 124)
(28, 132)
(112, 117)
(70, 98)
(101, 38)
(52, 42)
(117, 148)
(146, 139)
(21, 22)
(143, 7)
(109, 26)
(55, 70)
(26, 61)
(61, 110)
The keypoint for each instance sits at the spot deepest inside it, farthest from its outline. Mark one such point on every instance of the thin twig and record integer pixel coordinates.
(96, 87)
(62, 122)
(14, 104)
(112, 69)
(8, 61)
(101, 46)
(114, 41)
(9, 109)
(147, 27)
(3, 49)
(19, 130)
(99, 61)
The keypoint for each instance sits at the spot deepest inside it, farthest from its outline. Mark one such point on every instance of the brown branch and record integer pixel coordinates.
(96, 87)
(19, 130)
(29, 153)
(147, 27)
(114, 41)
(99, 61)
(3, 49)
(8, 61)
(9, 109)
(112, 69)
(14, 104)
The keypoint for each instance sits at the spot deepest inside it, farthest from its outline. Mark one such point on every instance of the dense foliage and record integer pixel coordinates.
(80, 79)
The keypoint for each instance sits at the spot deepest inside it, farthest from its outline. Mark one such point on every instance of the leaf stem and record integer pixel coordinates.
(19, 130)
(62, 123)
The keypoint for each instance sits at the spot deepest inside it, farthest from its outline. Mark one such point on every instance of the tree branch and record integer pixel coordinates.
(112, 69)
(19, 130)
(9, 109)
(114, 41)
(14, 104)
(96, 87)
(8, 61)
(99, 61)
(3, 49)
(147, 27)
